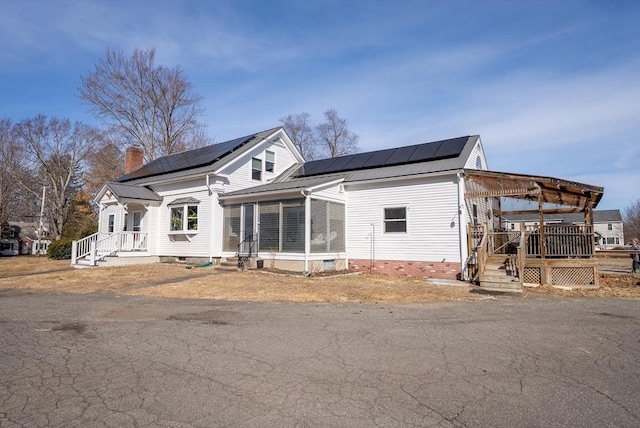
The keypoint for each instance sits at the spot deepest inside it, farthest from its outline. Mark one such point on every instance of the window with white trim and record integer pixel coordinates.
(256, 169)
(395, 220)
(609, 226)
(112, 221)
(269, 161)
(184, 218)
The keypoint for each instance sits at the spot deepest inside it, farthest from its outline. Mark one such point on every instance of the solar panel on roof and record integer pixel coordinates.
(451, 147)
(338, 164)
(186, 160)
(358, 161)
(424, 152)
(378, 158)
(317, 167)
(400, 155)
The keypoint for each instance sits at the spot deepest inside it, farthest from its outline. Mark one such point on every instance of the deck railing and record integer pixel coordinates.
(98, 245)
(560, 241)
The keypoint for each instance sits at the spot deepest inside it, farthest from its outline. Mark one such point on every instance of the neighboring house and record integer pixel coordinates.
(607, 224)
(26, 234)
(404, 210)
(9, 247)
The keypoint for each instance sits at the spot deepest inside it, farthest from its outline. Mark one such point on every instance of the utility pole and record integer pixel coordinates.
(41, 226)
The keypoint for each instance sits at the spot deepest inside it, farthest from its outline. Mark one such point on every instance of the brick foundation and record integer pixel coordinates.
(407, 268)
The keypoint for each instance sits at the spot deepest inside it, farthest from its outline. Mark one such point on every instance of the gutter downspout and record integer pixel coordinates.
(213, 207)
(462, 230)
(307, 229)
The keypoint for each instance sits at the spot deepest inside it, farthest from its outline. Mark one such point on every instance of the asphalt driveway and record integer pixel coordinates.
(104, 360)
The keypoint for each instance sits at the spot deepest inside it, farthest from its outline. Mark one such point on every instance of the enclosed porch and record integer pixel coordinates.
(293, 227)
(507, 255)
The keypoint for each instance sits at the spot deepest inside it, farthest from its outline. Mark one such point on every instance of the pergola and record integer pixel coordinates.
(549, 247)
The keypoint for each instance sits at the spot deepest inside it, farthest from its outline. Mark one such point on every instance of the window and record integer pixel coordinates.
(270, 161)
(256, 169)
(609, 226)
(182, 216)
(177, 214)
(474, 211)
(395, 220)
(192, 217)
(479, 162)
(513, 226)
(112, 220)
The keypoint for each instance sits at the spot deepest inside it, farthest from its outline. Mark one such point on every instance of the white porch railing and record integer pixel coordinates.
(97, 246)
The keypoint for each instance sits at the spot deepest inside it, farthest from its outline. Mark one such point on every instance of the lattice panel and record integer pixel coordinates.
(531, 275)
(572, 276)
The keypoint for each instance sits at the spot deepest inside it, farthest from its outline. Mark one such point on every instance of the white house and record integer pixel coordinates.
(607, 224)
(404, 210)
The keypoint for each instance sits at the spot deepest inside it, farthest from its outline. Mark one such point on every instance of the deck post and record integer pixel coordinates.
(92, 253)
(74, 252)
(543, 251)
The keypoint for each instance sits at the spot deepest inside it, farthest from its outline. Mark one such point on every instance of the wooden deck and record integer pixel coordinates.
(557, 255)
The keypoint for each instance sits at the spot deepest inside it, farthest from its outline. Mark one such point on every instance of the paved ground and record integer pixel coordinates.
(101, 360)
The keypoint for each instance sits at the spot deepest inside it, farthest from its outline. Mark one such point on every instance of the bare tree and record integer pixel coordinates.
(299, 130)
(334, 136)
(104, 164)
(10, 166)
(148, 105)
(631, 220)
(16, 202)
(54, 150)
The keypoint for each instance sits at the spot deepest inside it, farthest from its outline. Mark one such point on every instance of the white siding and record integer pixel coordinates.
(331, 193)
(239, 171)
(177, 244)
(477, 151)
(432, 207)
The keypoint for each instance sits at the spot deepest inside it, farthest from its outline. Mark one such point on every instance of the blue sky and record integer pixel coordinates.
(553, 88)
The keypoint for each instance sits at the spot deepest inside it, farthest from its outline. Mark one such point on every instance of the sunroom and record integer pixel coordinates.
(295, 226)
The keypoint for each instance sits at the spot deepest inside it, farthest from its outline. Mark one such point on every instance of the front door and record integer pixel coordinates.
(248, 228)
(137, 227)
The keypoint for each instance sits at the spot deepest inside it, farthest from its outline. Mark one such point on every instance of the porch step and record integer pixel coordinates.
(498, 275)
(508, 286)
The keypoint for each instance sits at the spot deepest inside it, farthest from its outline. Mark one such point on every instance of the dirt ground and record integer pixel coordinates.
(174, 280)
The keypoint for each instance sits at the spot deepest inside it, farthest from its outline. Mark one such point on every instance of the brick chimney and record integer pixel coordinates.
(133, 159)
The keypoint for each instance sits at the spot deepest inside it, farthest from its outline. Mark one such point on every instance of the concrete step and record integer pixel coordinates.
(228, 264)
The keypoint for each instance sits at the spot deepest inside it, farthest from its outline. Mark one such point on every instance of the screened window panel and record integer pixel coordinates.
(327, 226)
(319, 226)
(269, 229)
(231, 227)
(336, 227)
(293, 225)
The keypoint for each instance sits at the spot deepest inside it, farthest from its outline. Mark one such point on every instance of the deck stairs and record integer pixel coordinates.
(500, 274)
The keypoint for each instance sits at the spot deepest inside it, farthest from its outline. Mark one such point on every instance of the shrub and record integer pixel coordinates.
(60, 249)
